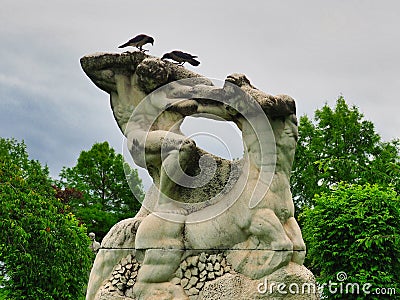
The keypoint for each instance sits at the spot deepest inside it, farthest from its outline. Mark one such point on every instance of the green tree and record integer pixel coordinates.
(339, 145)
(355, 229)
(45, 252)
(105, 181)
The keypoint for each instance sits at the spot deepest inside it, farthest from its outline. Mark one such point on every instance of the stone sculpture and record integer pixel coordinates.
(94, 245)
(209, 228)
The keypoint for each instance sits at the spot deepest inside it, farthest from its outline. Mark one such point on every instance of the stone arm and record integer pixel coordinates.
(230, 103)
(202, 108)
(129, 77)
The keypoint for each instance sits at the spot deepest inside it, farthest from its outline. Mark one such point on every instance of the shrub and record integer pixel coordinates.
(355, 229)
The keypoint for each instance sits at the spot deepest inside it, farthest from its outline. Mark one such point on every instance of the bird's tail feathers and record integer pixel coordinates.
(193, 62)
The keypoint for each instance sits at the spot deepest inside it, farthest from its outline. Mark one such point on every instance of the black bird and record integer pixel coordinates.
(139, 41)
(181, 58)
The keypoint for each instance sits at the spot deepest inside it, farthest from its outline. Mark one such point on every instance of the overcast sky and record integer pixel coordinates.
(312, 50)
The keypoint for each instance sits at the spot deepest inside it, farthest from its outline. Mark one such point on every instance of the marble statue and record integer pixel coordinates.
(94, 245)
(209, 228)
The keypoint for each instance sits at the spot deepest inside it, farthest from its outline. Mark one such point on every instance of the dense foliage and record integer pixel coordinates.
(355, 229)
(339, 145)
(43, 248)
(98, 188)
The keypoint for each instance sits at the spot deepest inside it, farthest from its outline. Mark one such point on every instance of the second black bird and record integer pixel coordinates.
(138, 41)
(181, 57)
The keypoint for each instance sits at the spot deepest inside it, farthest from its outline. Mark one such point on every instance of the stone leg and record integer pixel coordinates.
(117, 244)
(266, 226)
(293, 231)
(162, 244)
(105, 261)
(267, 249)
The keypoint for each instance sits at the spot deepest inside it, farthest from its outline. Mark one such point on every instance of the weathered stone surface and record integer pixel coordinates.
(184, 282)
(176, 280)
(231, 224)
(237, 286)
(193, 281)
(202, 266)
(194, 271)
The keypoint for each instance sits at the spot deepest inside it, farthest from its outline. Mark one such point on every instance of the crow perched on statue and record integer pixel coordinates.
(139, 41)
(181, 57)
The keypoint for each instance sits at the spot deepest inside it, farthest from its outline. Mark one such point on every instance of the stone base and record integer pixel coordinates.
(290, 282)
